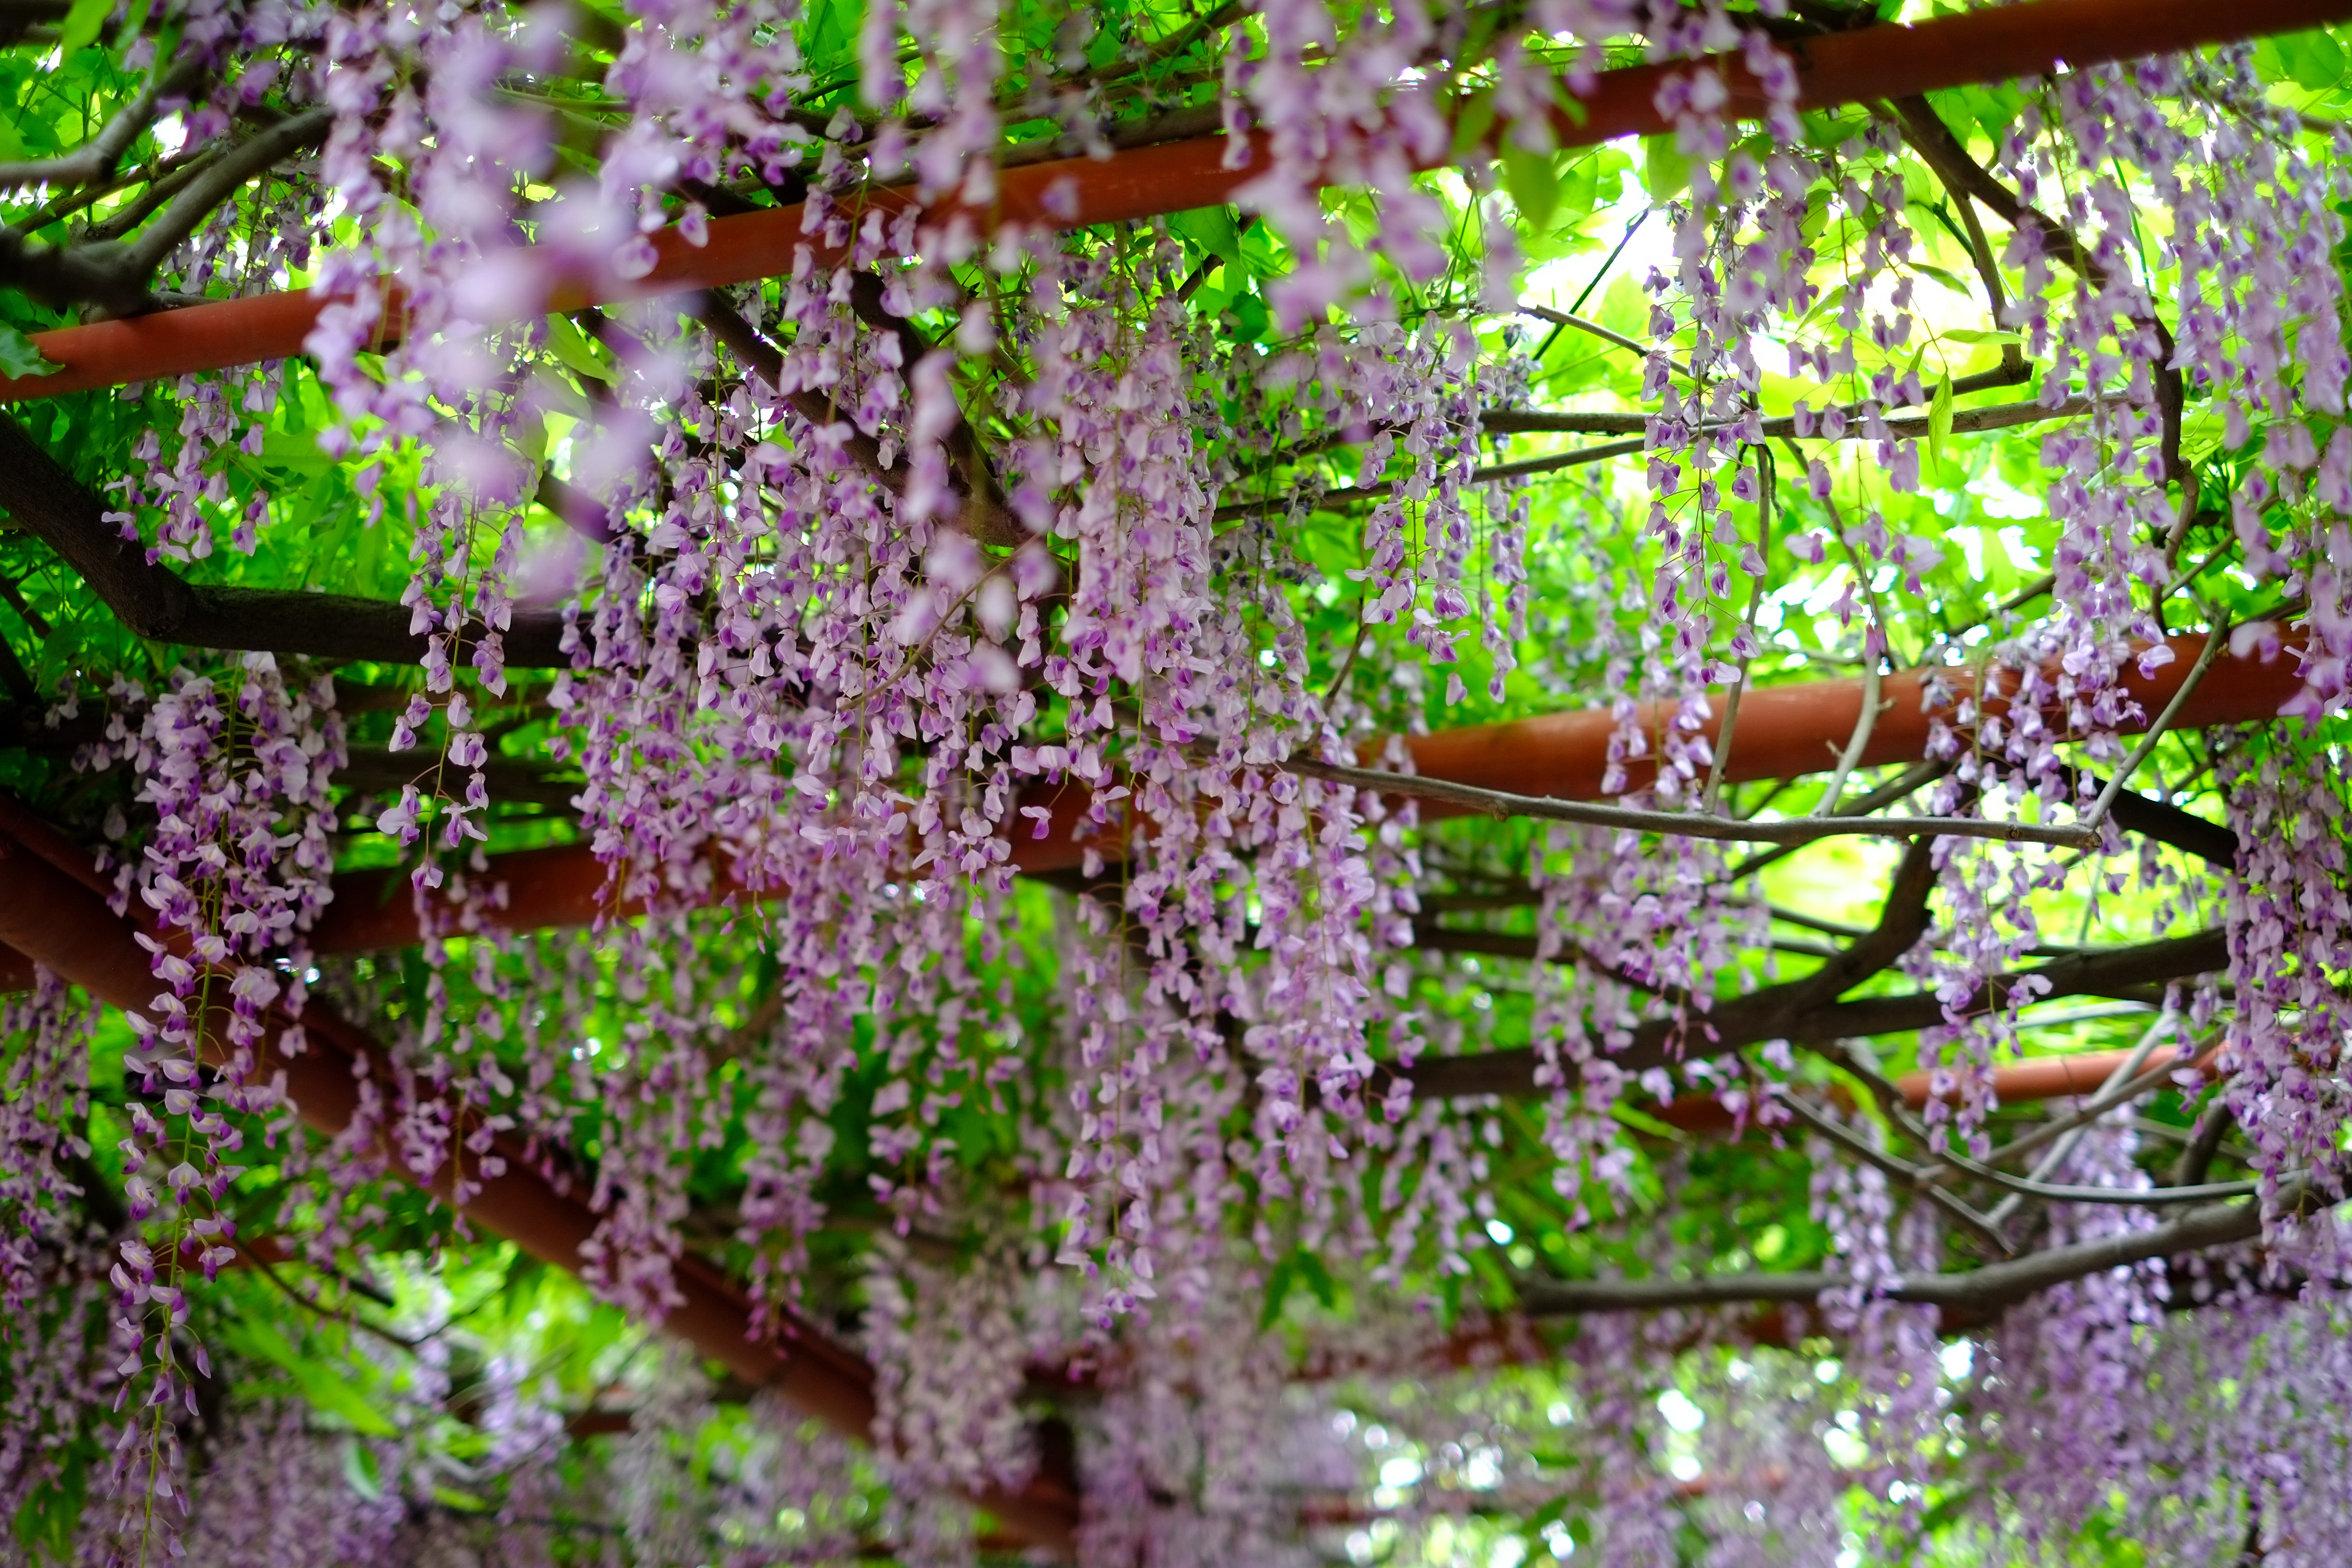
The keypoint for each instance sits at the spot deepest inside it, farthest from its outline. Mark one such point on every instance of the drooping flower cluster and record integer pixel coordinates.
(948, 554)
(43, 1103)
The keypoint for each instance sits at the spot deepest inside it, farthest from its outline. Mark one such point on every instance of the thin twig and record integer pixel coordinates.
(1931, 1177)
(303, 1300)
(2064, 1134)
(2182, 519)
(1527, 467)
(1859, 741)
(1510, 422)
(1592, 329)
(1623, 240)
(2126, 1084)
(1861, 578)
(167, 182)
(1184, 38)
(1982, 1290)
(2203, 1143)
(1807, 1011)
(1902, 1170)
(2122, 1197)
(161, 177)
(1912, 780)
(2212, 650)
(1966, 422)
(13, 598)
(1348, 663)
(1756, 807)
(2010, 605)
(219, 181)
(1692, 825)
(749, 1035)
(2114, 1195)
(96, 158)
(115, 276)
(1981, 249)
(1192, 285)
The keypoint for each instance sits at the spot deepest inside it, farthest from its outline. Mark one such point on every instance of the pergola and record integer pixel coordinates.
(64, 913)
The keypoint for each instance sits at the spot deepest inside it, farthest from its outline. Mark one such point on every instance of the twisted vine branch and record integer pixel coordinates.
(158, 604)
(115, 275)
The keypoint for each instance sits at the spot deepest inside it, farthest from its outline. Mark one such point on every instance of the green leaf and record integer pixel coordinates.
(1943, 276)
(1939, 421)
(1580, 189)
(1298, 1267)
(1640, 1123)
(528, 436)
(18, 357)
(1534, 185)
(832, 36)
(571, 346)
(1470, 123)
(82, 24)
(1832, 297)
(1277, 1291)
(1317, 1278)
(59, 650)
(1664, 169)
(323, 1386)
(133, 21)
(50, 1518)
(294, 449)
(612, 15)
(360, 1469)
(332, 542)
(1249, 318)
(1361, 213)
(1211, 228)
(1994, 109)
(2313, 60)
(1624, 307)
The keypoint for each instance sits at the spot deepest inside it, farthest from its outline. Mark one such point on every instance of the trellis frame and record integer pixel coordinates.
(55, 914)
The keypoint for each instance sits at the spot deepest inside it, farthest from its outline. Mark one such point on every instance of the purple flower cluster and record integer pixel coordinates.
(871, 614)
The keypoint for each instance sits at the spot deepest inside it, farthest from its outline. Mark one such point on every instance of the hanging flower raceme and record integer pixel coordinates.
(950, 639)
(232, 873)
(2288, 928)
(44, 1098)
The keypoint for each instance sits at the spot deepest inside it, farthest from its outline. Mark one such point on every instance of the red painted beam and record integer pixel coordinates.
(2025, 1082)
(1783, 732)
(1787, 731)
(1995, 43)
(2057, 1078)
(52, 908)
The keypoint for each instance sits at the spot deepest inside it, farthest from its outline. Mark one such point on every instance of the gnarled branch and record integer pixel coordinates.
(982, 513)
(1965, 421)
(1773, 1013)
(1786, 1012)
(1978, 1292)
(1934, 142)
(157, 602)
(114, 275)
(98, 158)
